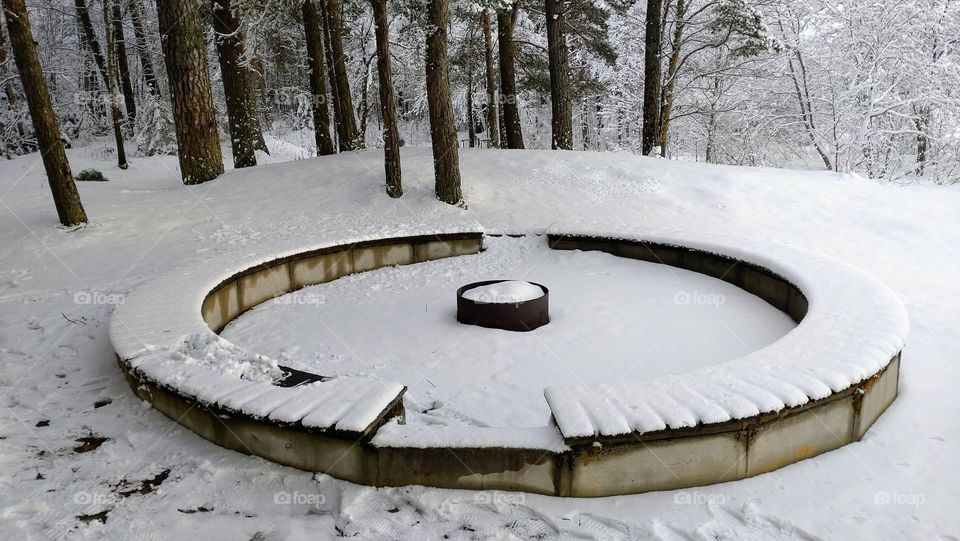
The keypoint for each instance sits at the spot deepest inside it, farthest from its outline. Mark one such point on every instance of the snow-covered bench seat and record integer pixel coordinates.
(819, 387)
(165, 333)
(815, 389)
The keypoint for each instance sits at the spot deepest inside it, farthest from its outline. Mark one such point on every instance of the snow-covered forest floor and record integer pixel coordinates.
(81, 457)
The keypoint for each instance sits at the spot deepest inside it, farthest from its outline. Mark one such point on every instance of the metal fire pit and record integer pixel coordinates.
(515, 316)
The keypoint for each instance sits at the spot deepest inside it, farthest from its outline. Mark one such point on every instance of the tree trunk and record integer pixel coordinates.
(388, 103)
(364, 111)
(923, 141)
(241, 113)
(711, 151)
(113, 98)
(493, 125)
(508, 77)
(443, 132)
(338, 121)
(651, 76)
(584, 125)
(123, 67)
(83, 15)
(340, 83)
(471, 125)
(313, 29)
(806, 106)
(185, 55)
(143, 50)
(561, 122)
(65, 195)
(8, 90)
(666, 107)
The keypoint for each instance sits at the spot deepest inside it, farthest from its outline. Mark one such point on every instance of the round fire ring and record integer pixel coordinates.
(504, 304)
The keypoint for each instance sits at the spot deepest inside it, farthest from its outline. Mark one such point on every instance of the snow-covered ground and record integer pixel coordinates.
(81, 457)
(612, 319)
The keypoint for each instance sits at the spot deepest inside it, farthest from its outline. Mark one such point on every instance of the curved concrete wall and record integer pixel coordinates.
(597, 466)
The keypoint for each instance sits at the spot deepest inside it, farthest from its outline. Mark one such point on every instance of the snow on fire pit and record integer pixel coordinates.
(512, 305)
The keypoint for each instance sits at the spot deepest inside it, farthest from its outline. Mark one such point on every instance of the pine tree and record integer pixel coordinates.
(651, 76)
(493, 124)
(185, 55)
(443, 132)
(65, 195)
(143, 50)
(111, 74)
(340, 83)
(120, 57)
(559, 60)
(388, 103)
(513, 134)
(241, 111)
(313, 30)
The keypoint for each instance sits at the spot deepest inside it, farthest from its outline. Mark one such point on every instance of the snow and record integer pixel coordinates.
(841, 341)
(899, 482)
(508, 292)
(612, 319)
(159, 332)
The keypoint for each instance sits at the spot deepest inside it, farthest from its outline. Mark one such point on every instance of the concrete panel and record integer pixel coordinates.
(776, 292)
(221, 307)
(177, 409)
(877, 396)
(802, 435)
(386, 255)
(651, 253)
(797, 304)
(486, 469)
(321, 268)
(439, 249)
(713, 265)
(343, 459)
(659, 465)
(263, 285)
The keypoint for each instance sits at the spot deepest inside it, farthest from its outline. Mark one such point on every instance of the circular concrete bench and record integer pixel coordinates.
(817, 388)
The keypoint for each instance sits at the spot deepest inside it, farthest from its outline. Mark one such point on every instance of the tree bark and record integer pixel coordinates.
(143, 50)
(8, 90)
(651, 76)
(185, 55)
(443, 132)
(120, 58)
(923, 141)
(493, 125)
(388, 102)
(561, 122)
(666, 107)
(65, 195)
(338, 122)
(313, 30)
(114, 100)
(471, 124)
(340, 83)
(241, 112)
(364, 109)
(508, 76)
(83, 15)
